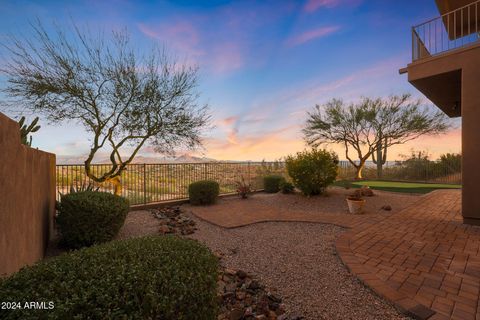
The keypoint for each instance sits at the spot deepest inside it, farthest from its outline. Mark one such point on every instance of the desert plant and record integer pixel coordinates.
(366, 191)
(153, 277)
(312, 171)
(356, 195)
(203, 192)
(26, 130)
(372, 124)
(271, 183)
(244, 189)
(450, 163)
(89, 217)
(347, 184)
(287, 187)
(83, 187)
(125, 99)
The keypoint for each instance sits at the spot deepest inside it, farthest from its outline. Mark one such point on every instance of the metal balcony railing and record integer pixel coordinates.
(456, 29)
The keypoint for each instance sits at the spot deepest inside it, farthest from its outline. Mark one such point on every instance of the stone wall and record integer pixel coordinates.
(27, 200)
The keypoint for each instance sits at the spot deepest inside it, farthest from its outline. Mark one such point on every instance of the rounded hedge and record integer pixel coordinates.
(312, 171)
(203, 192)
(90, 217)
(156, 277)
(287, 187)
(271, 184)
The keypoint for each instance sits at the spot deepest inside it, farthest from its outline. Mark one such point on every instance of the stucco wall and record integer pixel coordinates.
(27, 199)
(468, 61)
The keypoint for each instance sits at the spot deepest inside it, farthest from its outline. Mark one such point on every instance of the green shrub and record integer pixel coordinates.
(287, 187)
(203, 192)
(271, 183)
(90, 217)
(153, 277)
(312, 171)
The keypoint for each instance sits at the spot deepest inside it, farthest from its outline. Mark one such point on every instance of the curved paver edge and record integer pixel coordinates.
(399, 300)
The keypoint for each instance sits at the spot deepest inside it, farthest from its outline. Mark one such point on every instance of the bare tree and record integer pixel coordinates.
(122, 98)
(371, 124)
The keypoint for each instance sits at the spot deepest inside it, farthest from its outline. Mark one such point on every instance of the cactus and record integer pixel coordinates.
(381, 156)
(26, 130)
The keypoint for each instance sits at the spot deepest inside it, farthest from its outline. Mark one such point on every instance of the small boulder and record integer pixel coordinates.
(254, 285)
(387, 207)
(272, 315)
(240, 294)
(237, 314)
(164, 229)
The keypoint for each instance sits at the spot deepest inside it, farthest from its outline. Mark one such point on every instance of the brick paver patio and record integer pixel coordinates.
(422, 259)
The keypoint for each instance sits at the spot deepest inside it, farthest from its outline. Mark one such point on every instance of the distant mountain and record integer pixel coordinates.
(70, 159)
(190, 158)
(184, 158)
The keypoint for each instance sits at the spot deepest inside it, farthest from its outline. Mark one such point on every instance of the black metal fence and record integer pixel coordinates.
(409, 171)
(147, 183)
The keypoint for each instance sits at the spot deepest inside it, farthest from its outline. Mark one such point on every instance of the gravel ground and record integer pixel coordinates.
(294, 259)
(138, 224)
(298, 260)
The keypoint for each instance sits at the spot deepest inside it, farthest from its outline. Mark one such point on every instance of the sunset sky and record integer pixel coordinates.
(263, 64)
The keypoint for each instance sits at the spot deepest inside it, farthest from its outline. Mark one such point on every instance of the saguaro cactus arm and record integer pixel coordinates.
(26, 130)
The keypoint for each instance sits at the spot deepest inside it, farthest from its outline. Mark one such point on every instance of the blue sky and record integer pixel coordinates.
(263, 64)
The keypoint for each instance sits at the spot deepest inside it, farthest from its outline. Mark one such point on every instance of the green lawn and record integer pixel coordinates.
(408, 187)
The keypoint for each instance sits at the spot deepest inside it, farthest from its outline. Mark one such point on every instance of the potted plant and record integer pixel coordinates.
(356, 202)
(243, 188)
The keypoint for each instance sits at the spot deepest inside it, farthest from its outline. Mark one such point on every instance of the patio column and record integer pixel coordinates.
(471, 144)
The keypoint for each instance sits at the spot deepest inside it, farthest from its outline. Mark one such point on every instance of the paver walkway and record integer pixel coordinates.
(423, 259)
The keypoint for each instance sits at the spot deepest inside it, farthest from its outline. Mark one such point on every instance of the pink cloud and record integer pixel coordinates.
(311, 35)
(229, 121)
(181, 36)
(227, 57)
(313, 5)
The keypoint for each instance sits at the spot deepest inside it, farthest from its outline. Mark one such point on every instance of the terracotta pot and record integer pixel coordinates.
(355, 205)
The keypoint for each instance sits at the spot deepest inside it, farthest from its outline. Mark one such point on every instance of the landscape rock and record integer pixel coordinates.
(164, 229)
(173, 221)
(366, 191)
(236, 314)
(387, 207)
(241, 274)
(242, 297)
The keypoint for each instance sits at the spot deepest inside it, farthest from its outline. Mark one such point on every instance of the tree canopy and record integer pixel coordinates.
(371, 124)
(124, 99)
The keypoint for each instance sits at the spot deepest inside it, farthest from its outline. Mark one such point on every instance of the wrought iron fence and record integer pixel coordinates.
(147, 183)
(408, 171)
(455, 29)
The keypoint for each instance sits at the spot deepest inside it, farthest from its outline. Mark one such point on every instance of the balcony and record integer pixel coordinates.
(453, 30)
